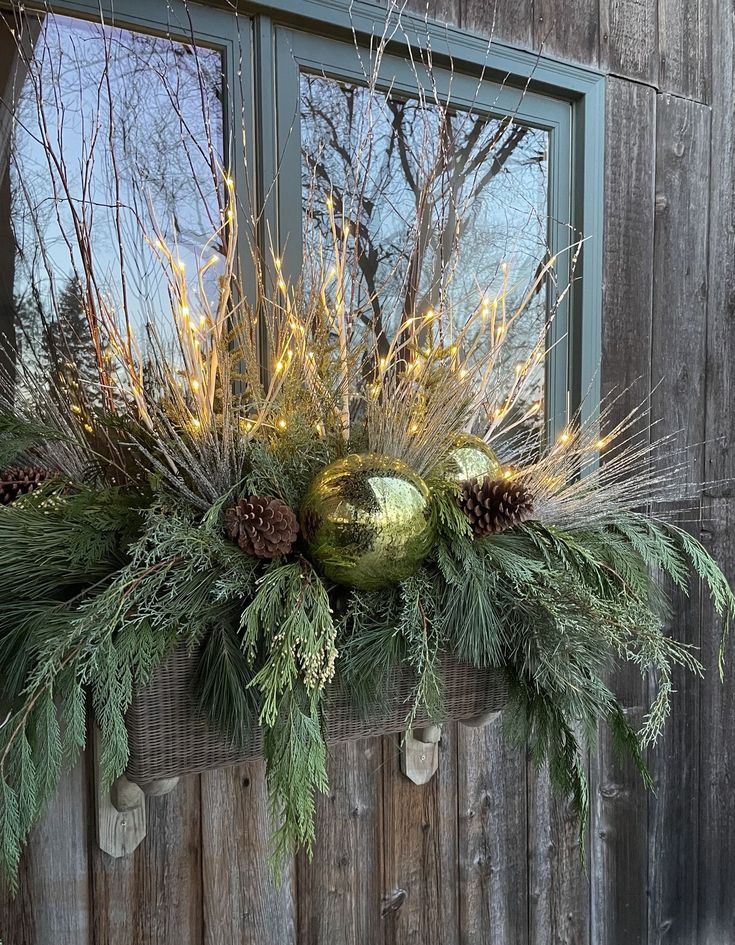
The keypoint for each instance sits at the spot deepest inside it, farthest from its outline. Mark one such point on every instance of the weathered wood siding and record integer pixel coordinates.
(485, 855)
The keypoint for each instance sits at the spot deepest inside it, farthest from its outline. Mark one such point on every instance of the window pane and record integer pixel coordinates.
(110, 139)
(443, 209)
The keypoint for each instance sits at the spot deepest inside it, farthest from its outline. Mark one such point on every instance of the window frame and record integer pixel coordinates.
(298, 52)
(573, 381)
(202, 25)
(251, 38)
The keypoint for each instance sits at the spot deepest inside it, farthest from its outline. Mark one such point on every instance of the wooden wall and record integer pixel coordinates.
(484, 855)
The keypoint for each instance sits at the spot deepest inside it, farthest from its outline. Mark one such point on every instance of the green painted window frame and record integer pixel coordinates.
(546, 83)
(265, 43)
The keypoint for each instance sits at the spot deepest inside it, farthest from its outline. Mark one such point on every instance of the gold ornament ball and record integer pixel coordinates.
(368, 522)
(472, 458)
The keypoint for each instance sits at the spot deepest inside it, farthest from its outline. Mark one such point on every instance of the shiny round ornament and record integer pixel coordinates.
(472, 458)
(367, 521)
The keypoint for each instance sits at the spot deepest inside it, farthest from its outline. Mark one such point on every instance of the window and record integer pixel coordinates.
(523, 144)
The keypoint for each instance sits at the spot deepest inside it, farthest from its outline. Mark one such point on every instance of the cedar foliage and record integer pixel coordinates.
(99, 585)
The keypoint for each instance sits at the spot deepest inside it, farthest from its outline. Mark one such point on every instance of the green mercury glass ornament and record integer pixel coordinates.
(367, 520)
(472, 458)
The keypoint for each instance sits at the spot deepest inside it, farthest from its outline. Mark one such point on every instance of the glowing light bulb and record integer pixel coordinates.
(195, 386)
(279, 365)
(76, 408)
(565, 437)
(230, 182)
(281, 424)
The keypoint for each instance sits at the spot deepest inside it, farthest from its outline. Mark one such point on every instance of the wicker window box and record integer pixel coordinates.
(169, 738)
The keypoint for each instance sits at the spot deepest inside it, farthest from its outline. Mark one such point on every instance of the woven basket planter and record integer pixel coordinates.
(168, 738)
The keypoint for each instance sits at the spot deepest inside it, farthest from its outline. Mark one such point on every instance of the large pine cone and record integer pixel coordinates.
(492, 505)
(20, 480)
(262, 526)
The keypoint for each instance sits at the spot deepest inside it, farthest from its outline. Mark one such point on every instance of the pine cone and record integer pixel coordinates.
(20, 480)
(493, 505)
(262, 526)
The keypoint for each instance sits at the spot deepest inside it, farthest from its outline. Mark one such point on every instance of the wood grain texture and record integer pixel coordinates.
(627, 289)
(572, 33)
(493, 828)
(685, 42)
(508, 20)
(716, 849)
(619, 821)
(629, 39)
(720, 417)
(54, 902)
(342, 883)
(678, 365)
(680, 273)
(558, 889)
(420, 850)
(154, 897)
(242, 904)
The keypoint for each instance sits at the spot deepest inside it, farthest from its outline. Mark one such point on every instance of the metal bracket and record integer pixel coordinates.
(121, 816)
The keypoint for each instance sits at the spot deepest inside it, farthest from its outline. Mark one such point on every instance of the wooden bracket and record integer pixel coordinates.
(121, 816)
(420, 748)
(484, 718)
(420, 753)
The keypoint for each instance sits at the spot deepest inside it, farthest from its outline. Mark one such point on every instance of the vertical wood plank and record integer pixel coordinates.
(684, 48)
(678, 358)
(242, 903)
(340, 889)
(571, 33)
(493, 826)
(154, 897)
(507, 20)
(716, 915)
(53, 904)
(420, 850)
(680, 273)
(629, 39)
(558, 889)
(630, 148)
(716, 852)
(618, 850)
